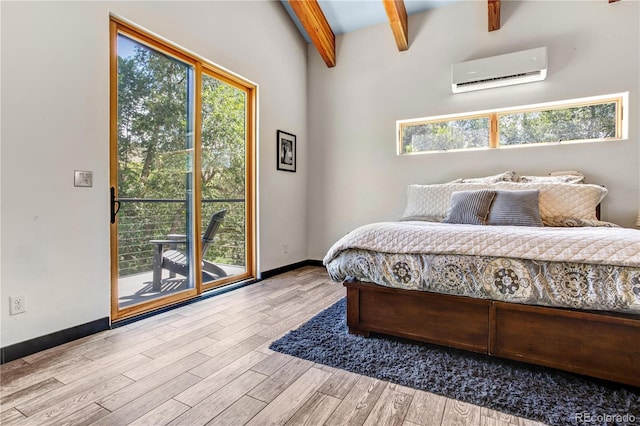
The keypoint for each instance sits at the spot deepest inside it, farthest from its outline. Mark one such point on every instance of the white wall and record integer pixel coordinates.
(55, 119)
(356, 177)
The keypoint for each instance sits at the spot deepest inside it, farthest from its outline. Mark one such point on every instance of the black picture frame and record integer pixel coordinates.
(286, 151)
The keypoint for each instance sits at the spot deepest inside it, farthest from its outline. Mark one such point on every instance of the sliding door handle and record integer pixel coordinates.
(115, 205)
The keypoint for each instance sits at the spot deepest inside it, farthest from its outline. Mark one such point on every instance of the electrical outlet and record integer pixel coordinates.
(17, 305)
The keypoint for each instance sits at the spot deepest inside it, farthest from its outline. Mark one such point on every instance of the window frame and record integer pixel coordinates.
(620, 100)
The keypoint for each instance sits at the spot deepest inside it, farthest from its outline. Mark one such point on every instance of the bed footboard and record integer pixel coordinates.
(602, 345)
(459, 322)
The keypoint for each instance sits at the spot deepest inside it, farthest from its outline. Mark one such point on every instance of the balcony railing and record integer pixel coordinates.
(141, 220)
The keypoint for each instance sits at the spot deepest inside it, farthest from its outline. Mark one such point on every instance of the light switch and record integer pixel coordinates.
(82, 178)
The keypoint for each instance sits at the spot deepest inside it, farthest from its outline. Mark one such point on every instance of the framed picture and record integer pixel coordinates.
(286, 150)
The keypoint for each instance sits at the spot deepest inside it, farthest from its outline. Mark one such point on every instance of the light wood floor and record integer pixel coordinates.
(209, 363)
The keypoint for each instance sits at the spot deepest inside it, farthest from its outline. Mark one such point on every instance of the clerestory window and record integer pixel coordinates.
(578, 120)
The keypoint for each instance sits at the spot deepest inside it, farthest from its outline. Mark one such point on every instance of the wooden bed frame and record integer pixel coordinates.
(600, 344)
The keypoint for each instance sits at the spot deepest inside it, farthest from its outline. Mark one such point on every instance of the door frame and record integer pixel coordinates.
(118, 25)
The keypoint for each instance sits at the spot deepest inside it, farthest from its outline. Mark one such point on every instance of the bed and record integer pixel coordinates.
(563, 291)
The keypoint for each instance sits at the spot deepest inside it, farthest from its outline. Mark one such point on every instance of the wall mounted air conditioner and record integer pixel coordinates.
(502, 70)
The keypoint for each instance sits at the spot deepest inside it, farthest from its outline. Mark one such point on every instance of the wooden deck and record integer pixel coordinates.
(137, 288)
(209, 363)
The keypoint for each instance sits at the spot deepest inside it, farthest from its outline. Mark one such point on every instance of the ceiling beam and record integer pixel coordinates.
(317, 27)
(397, 14)
(494, 14)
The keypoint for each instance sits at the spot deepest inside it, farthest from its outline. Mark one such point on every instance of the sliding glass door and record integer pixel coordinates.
(223, 174)
(181, 175)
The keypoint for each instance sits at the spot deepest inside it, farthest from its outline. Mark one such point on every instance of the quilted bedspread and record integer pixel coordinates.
(581, 268)
(590, 245)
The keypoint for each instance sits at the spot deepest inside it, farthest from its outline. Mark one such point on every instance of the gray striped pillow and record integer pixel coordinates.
(470, 207)
(516, 208)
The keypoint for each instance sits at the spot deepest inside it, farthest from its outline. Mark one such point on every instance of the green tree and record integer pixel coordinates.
(557, 125)
(155, 155)
(223, 164)
(445, 135)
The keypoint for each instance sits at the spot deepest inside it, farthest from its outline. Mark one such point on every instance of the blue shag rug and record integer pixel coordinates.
(537, 393)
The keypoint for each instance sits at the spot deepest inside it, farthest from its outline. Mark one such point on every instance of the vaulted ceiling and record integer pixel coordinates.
(319, 21)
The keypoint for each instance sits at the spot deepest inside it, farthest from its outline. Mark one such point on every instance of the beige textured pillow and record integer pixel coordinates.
(433, 200)
(555, 178)
(561, 201)
(501, 177)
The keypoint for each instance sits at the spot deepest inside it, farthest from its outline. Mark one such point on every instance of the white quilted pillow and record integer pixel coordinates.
(563, 200)
(431, 202)
(558, 201)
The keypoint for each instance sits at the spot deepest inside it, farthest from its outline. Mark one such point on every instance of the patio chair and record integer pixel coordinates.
(175, 261)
